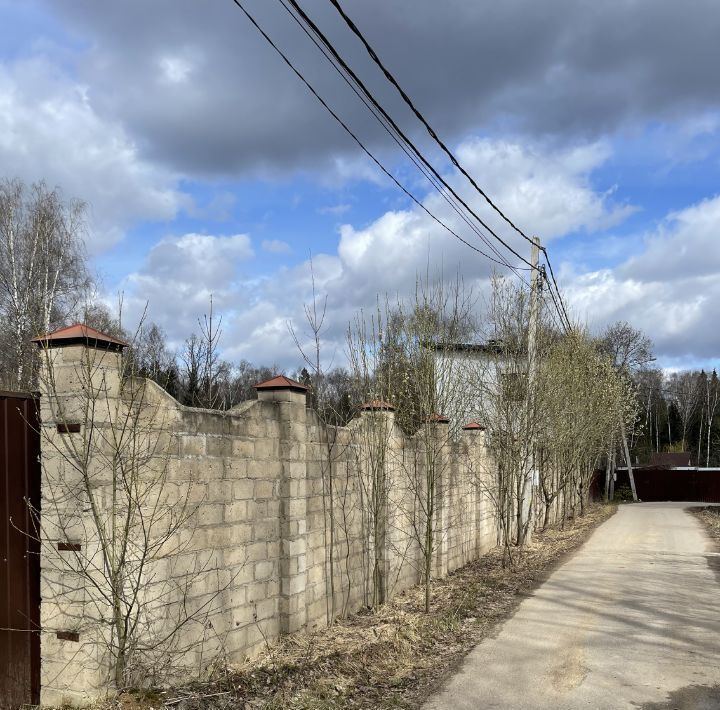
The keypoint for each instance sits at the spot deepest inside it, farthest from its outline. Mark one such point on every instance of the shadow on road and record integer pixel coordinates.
(691, 697)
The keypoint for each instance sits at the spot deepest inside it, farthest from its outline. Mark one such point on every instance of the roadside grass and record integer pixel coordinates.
(393, 657)
(709, 516)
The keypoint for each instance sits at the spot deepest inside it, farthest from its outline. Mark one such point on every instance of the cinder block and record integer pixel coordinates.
(264, 469)
(257, 509)
(192, 445)
(256, 551)
(219, 491)
(256, 592)
(273, 549)
(297, 508)
(218, 446)
(266, 449)
(266, 529)
(210, 514)
(236, 511)
(243, 448)
(293, 547)
(264, 489)
(235, 468)
(266, 609)
(243, 489)
(264, 569)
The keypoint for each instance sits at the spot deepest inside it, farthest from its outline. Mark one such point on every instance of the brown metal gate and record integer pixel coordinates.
(701, 485)
(19, 551)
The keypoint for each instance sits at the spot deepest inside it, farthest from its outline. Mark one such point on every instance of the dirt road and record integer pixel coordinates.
(631, 621)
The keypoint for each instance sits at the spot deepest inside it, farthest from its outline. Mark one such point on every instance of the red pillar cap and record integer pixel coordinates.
(79, 334)
(474, 426)
(280, 382)
(377, 404)
(438, 419)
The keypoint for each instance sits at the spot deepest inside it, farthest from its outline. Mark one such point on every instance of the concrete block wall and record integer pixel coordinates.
(271, 509)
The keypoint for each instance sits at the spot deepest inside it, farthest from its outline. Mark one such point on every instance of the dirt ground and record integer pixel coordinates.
(392, 658)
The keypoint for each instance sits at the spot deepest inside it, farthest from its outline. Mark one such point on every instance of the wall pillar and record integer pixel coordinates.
(290, 398)
(79, 390)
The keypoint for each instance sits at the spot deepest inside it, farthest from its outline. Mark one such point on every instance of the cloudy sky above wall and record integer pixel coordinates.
(208, 168)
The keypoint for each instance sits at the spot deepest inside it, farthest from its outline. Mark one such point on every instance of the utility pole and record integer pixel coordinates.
(628, 462)
(535, 287)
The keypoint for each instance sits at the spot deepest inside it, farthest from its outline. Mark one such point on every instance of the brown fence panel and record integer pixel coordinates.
(19, 552)
(661, 484)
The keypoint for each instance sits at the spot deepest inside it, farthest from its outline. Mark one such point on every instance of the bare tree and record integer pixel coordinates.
(509, 406)
(425, 331)
(711, 400)
(631, 352)
(685, 395)
(335, 493)
(42, 271)
(201, 360)
(372, 437)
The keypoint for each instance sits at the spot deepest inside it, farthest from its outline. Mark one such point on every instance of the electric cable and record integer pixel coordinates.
(453, 159)
(324, 40)
(287, 61)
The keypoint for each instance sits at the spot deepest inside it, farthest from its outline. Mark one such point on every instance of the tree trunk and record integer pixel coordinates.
(428, 565)
(628, 463)
(607, 476)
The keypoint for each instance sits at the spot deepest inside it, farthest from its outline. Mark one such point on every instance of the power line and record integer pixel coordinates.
(408, 101)
(406, 149)
(324, 40)
(552, 276)
(400, 143)
(389, 76)
(354, 136)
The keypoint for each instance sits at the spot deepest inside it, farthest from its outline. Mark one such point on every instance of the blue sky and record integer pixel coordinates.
(208, 169)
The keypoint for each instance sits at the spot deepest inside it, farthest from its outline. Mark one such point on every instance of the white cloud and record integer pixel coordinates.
(175, 69)
(686, 243)
(670, 290)
(384, 256)
(179, 276)
(276, 246)
(546, 190)
(50, 131)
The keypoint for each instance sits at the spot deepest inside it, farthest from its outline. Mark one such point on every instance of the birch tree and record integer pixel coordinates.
(42, 271)
(685, 395)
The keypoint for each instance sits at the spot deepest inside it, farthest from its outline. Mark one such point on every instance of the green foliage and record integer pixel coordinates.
(623, 494)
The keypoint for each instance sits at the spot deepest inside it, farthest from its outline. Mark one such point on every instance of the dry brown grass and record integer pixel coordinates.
(709, 516)
(394, 657)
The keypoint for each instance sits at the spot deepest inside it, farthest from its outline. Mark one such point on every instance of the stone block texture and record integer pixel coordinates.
(277, 523)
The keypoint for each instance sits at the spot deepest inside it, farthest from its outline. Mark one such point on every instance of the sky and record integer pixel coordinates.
(209, 170)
